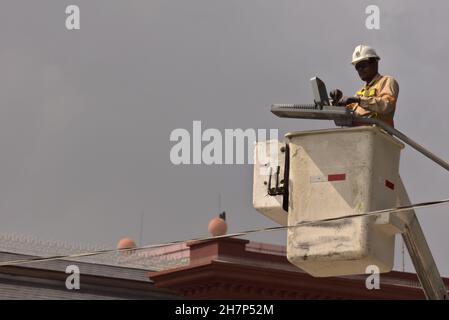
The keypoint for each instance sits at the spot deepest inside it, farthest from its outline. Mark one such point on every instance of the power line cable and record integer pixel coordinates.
(231, 235)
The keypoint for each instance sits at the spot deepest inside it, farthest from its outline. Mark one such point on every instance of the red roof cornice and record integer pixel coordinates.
(224, 269)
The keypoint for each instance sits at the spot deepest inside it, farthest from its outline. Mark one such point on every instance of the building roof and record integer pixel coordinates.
(106, 276)
(224, 268)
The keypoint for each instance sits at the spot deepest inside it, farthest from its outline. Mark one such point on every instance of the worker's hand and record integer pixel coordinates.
(336, 95)
(348, 100)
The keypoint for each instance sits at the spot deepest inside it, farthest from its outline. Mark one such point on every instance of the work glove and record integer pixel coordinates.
(348, 100)
(336, 95)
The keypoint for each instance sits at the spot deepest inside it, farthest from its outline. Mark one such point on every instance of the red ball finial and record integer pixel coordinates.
(218, 226)
(126, 243)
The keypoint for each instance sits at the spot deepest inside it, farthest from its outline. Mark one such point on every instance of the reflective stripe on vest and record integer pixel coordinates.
(371, 92)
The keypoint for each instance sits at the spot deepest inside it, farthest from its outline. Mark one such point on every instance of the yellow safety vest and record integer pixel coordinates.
(371, 92)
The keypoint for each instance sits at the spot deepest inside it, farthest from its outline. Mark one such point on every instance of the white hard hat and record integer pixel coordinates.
(363, 52)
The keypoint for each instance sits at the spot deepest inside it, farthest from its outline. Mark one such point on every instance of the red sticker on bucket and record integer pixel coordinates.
(336, 177)
(389, 184)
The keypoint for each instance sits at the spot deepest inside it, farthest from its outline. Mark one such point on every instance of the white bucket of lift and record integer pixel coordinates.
(335, 173)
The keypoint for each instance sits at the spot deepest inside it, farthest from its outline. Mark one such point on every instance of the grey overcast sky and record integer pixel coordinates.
(86, 115)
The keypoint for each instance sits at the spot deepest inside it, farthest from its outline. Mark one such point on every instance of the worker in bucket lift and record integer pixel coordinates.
(377, 99)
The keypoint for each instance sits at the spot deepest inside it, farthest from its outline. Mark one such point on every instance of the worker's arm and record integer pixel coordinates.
(385, 101)
(345, 101)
